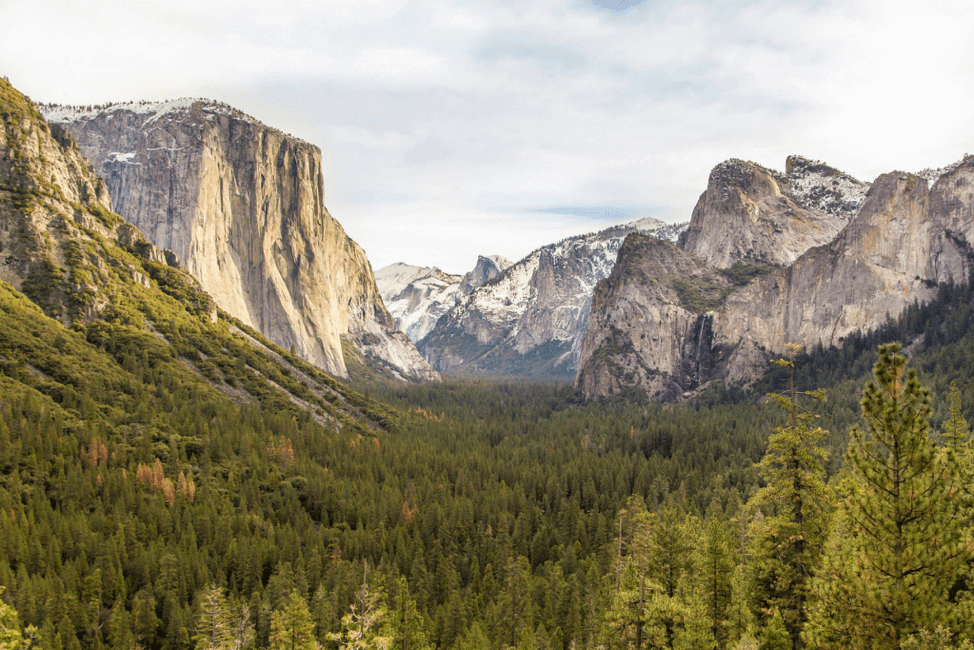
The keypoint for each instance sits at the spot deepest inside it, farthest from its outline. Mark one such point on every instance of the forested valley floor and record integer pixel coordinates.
(137, 511)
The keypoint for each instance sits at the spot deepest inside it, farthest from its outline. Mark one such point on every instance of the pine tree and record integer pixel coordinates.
(625, 616)
(792, 535)
(213, 621)
(716, 574)
(291, 625)
(364, 626)
(898, 548)
(409, 630)
(11, 637)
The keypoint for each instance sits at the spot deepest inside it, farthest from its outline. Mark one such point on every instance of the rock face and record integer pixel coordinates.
(138, 320)
(242, 207)
(56, 222)
(752, 214)
(897, 248)
(904, 239)
(649, 326)
(417, 296)
(486, 269)
(530, 320)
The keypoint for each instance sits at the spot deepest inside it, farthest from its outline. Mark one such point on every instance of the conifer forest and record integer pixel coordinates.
(172, 479)
(140, 511)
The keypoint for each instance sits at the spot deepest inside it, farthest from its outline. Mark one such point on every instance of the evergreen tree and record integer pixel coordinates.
(408, 626)
(775, 635)
(792, 535)
(716, 574)
(899, 545)
(364, 626)
(291, 625)
(11, 637)
(213, 631)
(625, 624)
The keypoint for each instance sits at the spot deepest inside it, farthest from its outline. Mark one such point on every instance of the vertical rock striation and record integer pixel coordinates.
(242, 206)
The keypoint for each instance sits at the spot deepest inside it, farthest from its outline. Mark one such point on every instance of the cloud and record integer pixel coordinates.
(452, 120)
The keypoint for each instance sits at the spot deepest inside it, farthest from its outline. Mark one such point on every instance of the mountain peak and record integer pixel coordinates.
(751, 214)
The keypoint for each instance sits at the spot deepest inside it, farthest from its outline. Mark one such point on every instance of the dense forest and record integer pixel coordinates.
(170, 479)
(139, 511)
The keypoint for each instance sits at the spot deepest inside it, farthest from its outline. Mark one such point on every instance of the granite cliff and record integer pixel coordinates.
(242, 207)
(649, 326)
(132, 331)
(904, 238)
(753, 214)
(901, 244)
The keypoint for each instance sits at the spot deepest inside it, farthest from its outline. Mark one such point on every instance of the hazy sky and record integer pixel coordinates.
(455, 128)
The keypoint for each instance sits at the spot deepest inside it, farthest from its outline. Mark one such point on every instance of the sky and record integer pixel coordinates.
(452, 128)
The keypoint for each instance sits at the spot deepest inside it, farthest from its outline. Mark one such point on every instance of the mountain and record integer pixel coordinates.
(904, 239)
(417, 296)
(529, 321)
(242, 207)
(753, 214)
(486, 269)
(99, 320)
(648, 325)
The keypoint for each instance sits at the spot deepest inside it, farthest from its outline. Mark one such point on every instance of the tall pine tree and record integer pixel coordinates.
(898, 551)
(792, 535)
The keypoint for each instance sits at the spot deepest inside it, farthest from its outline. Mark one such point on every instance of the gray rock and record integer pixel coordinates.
(530, 320)
(904, 239)
(651, 325)
(241, 205)
(752, 214)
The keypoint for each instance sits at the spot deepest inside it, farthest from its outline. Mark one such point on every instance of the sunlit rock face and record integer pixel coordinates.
(242, 206)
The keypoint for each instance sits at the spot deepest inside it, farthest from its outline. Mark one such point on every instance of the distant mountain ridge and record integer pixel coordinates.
(530, 319)
(417, 296)
(242, 206)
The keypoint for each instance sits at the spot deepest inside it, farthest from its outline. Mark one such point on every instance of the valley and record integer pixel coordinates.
(217, 429)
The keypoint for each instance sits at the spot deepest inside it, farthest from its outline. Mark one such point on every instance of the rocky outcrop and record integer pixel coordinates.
(242, 207)
(905, 239)
(530, 320)
(486, 269)
(651, 324)
(894, 252)
(417, 296)
(57, 224)
(750, 214)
